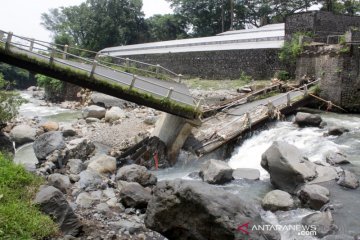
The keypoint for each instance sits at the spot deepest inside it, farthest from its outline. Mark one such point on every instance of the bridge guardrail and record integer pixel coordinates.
(53, 54)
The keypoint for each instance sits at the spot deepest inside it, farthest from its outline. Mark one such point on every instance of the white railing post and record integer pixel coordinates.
(305, 90)
(31, 48)
(180, 78)
(271, 108)
(132, 82)
(171, 89)
(248, 119)
(66, 47)
(1, 35)
(127, 62)
(288, 102)
(198, 105)
(52, 55)
(93, 68)
(8, 41)
(157, 69)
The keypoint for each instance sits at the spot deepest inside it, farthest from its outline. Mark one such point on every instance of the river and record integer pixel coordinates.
(310, 140)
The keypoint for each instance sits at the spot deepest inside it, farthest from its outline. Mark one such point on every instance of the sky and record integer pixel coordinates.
(23, 17)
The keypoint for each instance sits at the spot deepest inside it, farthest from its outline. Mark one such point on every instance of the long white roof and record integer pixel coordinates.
(269, 36)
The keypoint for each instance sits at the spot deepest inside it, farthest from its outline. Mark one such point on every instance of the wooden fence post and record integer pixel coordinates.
(31, 48)
(132, 82)
(288, 102)
(66, 47)
(8, 41)
(93, 68)
(171, 89)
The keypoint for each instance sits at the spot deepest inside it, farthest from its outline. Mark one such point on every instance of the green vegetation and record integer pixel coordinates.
(351, 7)
(204, 84)
(9, 101)
(19, 77)
(282, 75)
(54, 89)
(292, 49)
(19, 218)
(266, 95)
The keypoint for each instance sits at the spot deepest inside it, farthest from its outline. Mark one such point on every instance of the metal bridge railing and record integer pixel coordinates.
(52, 54)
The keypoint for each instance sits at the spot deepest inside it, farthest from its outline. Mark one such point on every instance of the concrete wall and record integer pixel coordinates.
(258, 63)
(339, 73)
(321, 24)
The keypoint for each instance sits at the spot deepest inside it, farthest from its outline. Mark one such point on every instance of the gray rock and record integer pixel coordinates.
(136, 173)
(150, 120)
(307, 120)
(107, 101)
(80, 148)
(92, 120)
(183, 209)
(324, 174)
(348, 179)
(102, 208)
(85, 200)
(61, 182)
(216, 172)
(246, 173)
(68, 131)
(115, 113)
(102, 164)
(130, 226)
(314, 196)
(89, 179)
(94, 111)
(22, 134)
(47, 143)
(277, 200)
(53, 202)
(337, 131)
(287, 167)
(323, 221)
(335, 158)
(134, 195)
(75, 166)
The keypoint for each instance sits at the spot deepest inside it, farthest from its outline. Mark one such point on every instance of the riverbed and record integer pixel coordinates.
(312, 141)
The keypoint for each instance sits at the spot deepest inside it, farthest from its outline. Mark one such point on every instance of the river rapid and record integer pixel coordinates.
(311, 141)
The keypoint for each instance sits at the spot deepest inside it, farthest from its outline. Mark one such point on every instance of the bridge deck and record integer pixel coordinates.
(168, 96)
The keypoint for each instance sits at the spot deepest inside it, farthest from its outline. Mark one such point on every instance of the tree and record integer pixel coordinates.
(97, 24)
(9, 102)
(166, 27)
(351, 7)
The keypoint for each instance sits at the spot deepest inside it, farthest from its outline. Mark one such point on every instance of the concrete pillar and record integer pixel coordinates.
(173, 131)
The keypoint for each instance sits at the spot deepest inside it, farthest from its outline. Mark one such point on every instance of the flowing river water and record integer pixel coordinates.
(311, 141)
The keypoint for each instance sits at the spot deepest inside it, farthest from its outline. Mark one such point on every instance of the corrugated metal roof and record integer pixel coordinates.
(270, 36)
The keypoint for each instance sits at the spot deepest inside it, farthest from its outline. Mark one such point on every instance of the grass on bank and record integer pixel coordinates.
(19, 217)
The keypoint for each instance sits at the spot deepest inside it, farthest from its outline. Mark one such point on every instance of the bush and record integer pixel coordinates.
(19, 218)
(9, 102)
(54, 89)
(282, 75)
(292, 49)
(244, 77)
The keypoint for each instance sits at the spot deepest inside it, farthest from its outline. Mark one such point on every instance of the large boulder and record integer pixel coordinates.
(50, 126)
(322, 221)
(307, 120)
(134, 195)
(94, 111)
(113, 114)
(246, 173)
(348, 179)
(75, 166)
(103, 164)
(337, 131)
(216, 172)
(183, 209)
(336, 158)
(22, 134)
(47, 143)
(53, 203)
(277, 200)
(6, 146)
(136, 173)
(287, 167)
(314, 196)
(89, 179)
(61, 182)
(80, 148)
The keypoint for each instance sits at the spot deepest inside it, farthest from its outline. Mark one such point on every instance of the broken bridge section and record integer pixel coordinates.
(166, 95)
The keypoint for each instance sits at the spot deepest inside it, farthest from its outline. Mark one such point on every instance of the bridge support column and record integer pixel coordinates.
(173, 131)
